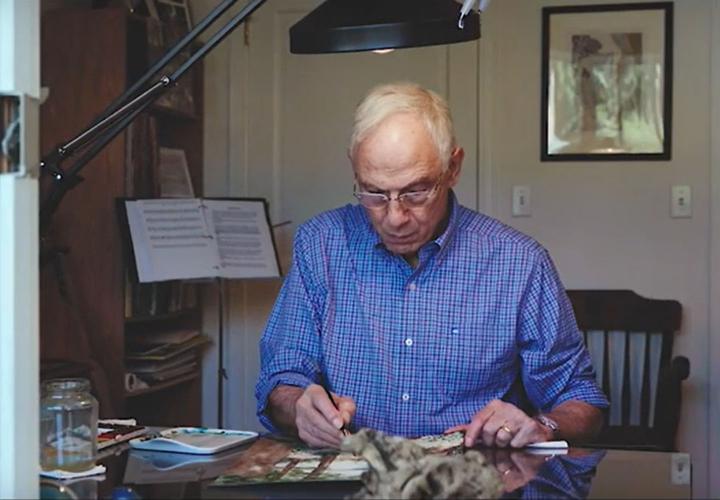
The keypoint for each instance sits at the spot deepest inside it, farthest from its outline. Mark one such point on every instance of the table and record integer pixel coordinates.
(576, 473)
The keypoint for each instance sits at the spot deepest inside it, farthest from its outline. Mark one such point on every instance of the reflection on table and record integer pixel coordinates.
(572, 473)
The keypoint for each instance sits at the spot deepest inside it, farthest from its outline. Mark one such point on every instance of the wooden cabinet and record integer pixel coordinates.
(89, 56)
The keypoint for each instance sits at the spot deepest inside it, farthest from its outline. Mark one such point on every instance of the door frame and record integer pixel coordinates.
(713, 394)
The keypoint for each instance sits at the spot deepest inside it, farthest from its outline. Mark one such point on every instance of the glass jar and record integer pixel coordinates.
(68, 425)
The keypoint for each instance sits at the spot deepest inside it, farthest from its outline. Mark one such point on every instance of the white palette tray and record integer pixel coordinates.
(195, 440)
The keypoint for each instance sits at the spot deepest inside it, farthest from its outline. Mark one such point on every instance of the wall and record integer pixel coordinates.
(606, 224)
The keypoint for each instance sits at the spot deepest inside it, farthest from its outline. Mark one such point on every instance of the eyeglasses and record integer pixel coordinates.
(410, 199)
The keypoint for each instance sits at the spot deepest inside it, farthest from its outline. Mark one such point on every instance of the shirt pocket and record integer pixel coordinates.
(474, 361)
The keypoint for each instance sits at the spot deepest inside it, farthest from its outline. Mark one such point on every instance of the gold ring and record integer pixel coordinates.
(507, 429)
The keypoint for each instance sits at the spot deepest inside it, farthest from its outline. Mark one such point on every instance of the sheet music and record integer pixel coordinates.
(171, 240)
(243, 239)
(196, 238)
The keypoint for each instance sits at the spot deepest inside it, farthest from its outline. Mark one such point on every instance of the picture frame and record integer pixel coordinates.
(607, 82)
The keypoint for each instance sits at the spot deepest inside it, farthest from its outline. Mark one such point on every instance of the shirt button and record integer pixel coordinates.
(412, 287)
(405, 397)
(408, 342)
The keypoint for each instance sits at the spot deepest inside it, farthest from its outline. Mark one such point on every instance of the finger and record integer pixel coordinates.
(313, 428)
(308, 413)
(318, 438)
(315, 425)
(504, 424)
(347, 409)
(321, 402)
(489, 430)
(457, 428)
(503, 464)
(476, 426)
(499, 430)
(526, 464)
(529, 432)
(503, 436)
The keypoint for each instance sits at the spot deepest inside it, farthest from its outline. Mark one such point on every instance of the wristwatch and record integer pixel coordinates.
(549, 423)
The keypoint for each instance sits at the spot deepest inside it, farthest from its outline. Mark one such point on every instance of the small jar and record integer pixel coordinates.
(68, 425)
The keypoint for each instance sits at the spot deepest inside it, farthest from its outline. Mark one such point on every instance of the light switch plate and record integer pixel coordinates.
(521, 201)
(680, 202)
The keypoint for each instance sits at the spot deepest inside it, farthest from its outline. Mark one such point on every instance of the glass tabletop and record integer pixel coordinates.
(571, 473)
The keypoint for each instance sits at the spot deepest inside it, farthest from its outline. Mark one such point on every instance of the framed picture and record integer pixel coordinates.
(607, 82)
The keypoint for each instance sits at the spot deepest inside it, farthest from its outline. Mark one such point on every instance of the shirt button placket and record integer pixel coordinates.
(409, 342)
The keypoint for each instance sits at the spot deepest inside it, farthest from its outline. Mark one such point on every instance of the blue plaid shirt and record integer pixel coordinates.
(483, 316)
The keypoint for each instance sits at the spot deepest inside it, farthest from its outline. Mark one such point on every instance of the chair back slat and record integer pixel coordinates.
(655, 351)
(595, 341)
(617, 341)
(638, 342)
(629, 339)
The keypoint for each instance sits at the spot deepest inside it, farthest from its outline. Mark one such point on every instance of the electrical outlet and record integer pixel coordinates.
(521, 201)
(680, 468)
(680, 202)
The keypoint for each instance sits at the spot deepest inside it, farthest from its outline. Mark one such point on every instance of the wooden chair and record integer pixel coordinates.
(630, 340)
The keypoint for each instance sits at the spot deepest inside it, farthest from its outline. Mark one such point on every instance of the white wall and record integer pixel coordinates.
(606, 224)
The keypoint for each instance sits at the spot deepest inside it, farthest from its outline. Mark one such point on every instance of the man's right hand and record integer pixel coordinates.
(317, 420)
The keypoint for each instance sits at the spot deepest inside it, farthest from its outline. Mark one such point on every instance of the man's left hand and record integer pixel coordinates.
(502, 424)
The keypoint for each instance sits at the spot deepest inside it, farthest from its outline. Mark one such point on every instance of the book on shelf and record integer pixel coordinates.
(157, 299)
(141, 157)
(168, 374)
(173, 174)
(142, 367)
(155, 363)
(173, 337)
(162, 352)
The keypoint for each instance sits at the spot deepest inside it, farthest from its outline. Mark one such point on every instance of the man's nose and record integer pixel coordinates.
(397, 214)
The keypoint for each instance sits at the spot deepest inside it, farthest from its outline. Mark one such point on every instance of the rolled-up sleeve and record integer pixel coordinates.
(556, 365)
(290, 346)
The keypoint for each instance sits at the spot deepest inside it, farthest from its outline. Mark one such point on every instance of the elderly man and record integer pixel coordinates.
(419, 315)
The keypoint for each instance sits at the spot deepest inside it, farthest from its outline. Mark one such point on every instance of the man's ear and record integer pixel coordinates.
(455, 166)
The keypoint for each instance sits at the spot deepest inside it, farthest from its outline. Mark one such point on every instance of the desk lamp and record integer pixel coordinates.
(334, 26)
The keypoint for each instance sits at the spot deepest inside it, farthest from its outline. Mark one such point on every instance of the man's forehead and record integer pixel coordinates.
(390, 183)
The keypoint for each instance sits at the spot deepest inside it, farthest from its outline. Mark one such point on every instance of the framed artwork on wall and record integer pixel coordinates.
(607, 82)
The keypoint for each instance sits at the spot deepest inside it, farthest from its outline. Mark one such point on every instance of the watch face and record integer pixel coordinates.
(548, 422)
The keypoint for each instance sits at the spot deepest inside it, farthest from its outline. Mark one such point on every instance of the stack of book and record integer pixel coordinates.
(161, 357)
(144, 300)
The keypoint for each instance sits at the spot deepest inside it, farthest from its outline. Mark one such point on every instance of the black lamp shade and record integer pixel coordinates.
(358, 25)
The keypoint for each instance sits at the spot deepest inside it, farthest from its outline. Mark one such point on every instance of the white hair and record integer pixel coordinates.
(386, 100)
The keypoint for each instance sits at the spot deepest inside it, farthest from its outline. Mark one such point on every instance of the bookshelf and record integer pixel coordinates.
(89, 56)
